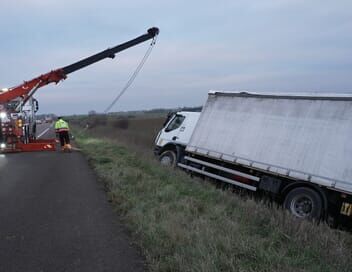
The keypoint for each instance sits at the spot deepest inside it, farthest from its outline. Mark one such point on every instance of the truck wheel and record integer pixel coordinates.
(168, 158)
(304, 203)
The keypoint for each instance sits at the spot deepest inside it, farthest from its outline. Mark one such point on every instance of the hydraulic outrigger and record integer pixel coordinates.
(18, 107)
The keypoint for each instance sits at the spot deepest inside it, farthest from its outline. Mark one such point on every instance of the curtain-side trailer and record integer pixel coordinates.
(294, 147)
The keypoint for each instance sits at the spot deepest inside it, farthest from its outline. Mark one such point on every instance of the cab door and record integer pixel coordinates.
(187, 127)
(171, 131)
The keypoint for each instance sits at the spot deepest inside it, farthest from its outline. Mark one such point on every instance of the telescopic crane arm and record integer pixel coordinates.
(27, 88)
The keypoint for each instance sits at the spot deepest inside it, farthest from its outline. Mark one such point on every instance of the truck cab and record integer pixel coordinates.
(17, 122)
(173, 138)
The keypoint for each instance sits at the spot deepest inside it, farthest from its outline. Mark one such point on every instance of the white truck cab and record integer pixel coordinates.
(175, 135)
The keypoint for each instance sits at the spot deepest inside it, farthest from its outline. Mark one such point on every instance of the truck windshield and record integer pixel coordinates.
(175, 123)
(168, 118)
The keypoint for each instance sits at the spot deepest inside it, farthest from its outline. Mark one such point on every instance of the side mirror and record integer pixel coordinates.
(36, 105)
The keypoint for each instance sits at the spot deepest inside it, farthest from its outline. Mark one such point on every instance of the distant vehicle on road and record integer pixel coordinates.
(295, 148)
(48, 119)
(39, 121)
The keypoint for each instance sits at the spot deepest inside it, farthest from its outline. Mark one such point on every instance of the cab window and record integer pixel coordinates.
(175, 123)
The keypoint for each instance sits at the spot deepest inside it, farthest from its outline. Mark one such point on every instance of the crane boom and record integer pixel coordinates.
(27, 88)
(110, 52)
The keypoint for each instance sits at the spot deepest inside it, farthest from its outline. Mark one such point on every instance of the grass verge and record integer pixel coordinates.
(183, 224)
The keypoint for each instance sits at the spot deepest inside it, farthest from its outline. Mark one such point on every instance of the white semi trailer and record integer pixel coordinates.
(298, 148)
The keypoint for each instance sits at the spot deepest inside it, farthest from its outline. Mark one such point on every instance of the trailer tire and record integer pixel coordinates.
(168, 158)
(304, 203)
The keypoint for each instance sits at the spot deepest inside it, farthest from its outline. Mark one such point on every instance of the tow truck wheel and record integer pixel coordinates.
(168, 158)
(304, 203)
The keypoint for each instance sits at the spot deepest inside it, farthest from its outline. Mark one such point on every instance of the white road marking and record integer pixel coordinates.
(45, 131)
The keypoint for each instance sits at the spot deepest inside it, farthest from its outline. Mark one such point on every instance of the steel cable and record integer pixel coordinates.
(133, 76)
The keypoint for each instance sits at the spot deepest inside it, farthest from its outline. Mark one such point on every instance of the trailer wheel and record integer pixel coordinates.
(304, 203)
(168, 158)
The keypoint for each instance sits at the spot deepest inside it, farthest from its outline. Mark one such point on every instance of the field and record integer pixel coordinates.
(135, 132)
(186, 224)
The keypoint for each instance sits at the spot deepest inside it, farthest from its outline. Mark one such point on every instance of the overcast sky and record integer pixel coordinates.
(258, 45)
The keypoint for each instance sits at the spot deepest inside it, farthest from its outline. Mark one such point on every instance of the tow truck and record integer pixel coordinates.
(18, 106)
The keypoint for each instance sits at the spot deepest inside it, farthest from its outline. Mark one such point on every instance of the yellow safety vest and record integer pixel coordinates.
(61, 125)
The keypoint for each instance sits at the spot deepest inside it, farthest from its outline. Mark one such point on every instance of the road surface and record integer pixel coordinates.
(54, 216)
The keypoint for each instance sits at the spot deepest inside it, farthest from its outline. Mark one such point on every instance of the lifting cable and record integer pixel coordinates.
(133, 76)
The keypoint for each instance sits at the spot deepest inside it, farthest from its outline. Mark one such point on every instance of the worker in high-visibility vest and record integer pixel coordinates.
(62, 129)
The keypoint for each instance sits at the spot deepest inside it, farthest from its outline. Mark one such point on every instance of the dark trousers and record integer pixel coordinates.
(64, 138)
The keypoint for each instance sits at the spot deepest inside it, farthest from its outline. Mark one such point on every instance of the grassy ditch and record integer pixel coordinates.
(184, 224)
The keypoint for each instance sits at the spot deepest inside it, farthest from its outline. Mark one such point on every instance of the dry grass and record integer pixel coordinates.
(139, 133)
(184, 224)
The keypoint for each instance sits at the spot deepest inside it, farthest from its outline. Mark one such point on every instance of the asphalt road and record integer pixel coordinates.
(54, 216)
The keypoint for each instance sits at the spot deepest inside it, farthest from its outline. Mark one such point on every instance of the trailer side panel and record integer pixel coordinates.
(306, 137)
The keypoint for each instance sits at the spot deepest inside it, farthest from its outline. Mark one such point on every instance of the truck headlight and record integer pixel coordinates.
(2, 145)
(3, 115)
